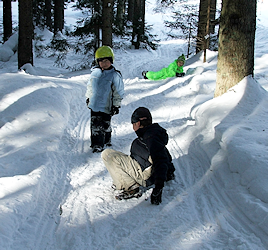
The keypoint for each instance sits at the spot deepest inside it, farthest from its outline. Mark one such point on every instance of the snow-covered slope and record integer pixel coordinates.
(56, 194)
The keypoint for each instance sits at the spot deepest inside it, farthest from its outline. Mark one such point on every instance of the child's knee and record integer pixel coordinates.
(106, 153)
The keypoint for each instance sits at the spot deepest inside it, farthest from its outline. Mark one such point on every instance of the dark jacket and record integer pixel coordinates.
(152, 141)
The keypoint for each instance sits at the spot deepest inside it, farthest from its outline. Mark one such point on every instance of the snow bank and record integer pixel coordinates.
(237, 122)
(8, 49)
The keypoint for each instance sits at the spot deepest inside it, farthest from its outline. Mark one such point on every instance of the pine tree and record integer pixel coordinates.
(185, 22)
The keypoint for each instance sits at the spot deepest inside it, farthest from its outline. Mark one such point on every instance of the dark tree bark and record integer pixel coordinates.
(130, 10)
(107, 20)
(25, 47)
(236, 43)
(48, 14)
(213, 9)
(202, 23)
(97, 24)
(7, 19)
(138, 23)
(58, 16)
(120, 13)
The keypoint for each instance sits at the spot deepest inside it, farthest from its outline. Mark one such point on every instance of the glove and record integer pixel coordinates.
(87, 101)
(115, 110)
(180, 74)
(170, 176)
(156, 196)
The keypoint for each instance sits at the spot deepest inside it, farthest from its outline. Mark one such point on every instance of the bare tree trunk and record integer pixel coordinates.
(202, 21)
(58, 16)
(130, 10)
(107, 20)
(213, 8)
(236, 43)
(138, 23)
(25, 47)
(120, 12)
(97, 24)
(7, 19)
(48, 15)
(206, 38)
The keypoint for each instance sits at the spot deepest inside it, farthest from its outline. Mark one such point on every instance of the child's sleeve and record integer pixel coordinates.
(118, 89)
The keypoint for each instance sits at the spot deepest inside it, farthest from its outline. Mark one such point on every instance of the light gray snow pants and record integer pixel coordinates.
(124, 170)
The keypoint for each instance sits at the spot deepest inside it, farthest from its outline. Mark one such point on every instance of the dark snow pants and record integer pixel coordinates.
(101, 130)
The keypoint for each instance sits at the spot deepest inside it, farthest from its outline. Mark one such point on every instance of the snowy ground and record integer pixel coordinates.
(55, 193)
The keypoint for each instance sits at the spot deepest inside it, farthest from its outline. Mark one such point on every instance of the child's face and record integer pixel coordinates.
(105, 64)
(180, 63)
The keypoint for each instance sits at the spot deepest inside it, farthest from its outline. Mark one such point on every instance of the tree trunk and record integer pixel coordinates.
(25, 47)
(206, 38)
(130, 10)
(120, 13)
(138, 23)
(213, 8)
(58, 16)
(97, 24)
(107, 20)
(202, 22)
(48, 15)
(236, 43)
(7, 19)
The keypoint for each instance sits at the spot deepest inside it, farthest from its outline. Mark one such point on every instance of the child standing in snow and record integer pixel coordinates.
(173, 69)
(105, 90)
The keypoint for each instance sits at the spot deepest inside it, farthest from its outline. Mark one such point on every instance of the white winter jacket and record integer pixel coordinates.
(104, 89)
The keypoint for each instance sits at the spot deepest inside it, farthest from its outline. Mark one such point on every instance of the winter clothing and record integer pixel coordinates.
(152, 141)
(132, 192)
(164, 73)
(180, 74)
(101, 130)
(156, 197)
(124, 170)
(104, 52)
(149, 162)
(181, 58)
(105, 90)
(139, 113)
(115, 110)
(172, 70)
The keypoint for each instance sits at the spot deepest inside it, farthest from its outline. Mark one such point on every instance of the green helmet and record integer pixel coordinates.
(104, 52)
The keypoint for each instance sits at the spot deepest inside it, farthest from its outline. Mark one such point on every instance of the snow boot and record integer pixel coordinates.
(144, 74)
(97, 149)
(132, 192)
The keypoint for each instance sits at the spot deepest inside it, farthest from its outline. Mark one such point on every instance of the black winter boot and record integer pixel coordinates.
(144, 74)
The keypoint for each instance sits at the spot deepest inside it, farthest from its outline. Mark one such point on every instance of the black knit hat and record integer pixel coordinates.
(140, 113)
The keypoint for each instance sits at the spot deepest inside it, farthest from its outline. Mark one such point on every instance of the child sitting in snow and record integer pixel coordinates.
(173, 69)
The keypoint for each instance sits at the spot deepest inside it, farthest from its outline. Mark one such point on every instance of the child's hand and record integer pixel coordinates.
(180, 74)
(115, 110)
